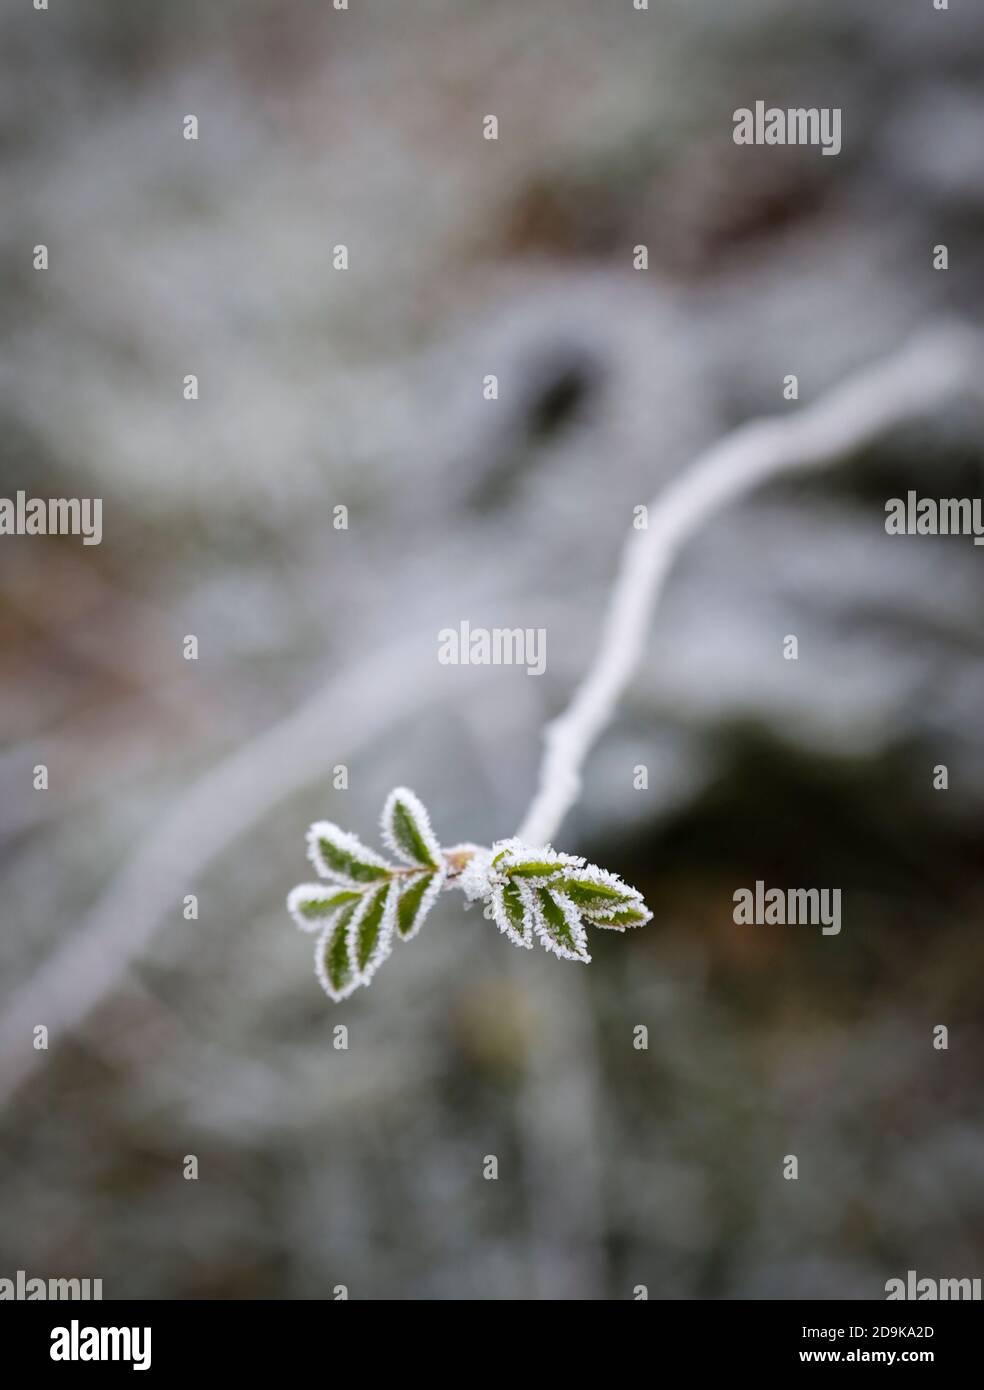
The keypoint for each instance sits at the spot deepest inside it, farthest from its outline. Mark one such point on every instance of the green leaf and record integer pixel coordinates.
(513, 859)
(331, 956)
(417, 897)
(512, 916)
(340, 856)
(534, 868)
(558, 925)
(311, 904)
(603, 893)
(370, 937)
(520, 920)
(635, 915)
(407, 830)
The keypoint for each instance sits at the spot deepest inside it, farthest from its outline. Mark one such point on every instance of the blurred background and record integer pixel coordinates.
(618, 1166)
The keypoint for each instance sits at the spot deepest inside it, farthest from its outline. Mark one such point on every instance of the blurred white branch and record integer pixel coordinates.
(218, 809)
(919, 378)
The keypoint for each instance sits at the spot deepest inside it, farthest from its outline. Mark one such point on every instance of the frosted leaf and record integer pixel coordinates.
(557, 923)
(513, 859)
(311, 904)
(407, 830)
(596, 892)
(370, 936)
(417, 896)
(340, 856)
(636, 915)
(331, 957)
(511, 914)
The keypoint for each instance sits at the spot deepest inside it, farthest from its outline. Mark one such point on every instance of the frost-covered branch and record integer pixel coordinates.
(922, 376)
(363, 903)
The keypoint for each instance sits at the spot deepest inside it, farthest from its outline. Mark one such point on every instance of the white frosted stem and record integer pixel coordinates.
(912, 382)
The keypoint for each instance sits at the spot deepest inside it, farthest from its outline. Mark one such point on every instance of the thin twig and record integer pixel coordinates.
(922, 376)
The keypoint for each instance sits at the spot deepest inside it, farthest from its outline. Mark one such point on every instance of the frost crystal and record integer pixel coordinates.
(474, 881)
